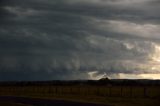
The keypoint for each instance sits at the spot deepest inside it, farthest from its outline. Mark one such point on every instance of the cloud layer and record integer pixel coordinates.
(74, 39)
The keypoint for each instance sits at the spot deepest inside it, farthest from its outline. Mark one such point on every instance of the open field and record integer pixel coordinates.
(110, 95)
(12, 104)
(44, 102)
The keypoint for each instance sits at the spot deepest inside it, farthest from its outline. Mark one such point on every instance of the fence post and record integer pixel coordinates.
(145, 91)
(110, 91)
(56, 90)
(131, 95)
(121, 91)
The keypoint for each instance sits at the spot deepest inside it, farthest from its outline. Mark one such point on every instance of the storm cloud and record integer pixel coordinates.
(78, 39)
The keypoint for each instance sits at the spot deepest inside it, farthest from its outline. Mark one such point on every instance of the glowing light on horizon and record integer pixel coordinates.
(150, 76)
(139, 76)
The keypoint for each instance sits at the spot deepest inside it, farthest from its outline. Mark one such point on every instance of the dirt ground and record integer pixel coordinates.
(12, 104)
(14, 101)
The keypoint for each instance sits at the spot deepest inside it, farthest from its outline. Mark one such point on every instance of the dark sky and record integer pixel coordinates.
(79, 39)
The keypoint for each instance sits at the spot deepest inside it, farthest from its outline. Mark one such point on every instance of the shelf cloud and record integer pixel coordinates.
(79, 39)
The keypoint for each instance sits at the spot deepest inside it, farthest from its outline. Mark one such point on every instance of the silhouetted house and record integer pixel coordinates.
(104, 81)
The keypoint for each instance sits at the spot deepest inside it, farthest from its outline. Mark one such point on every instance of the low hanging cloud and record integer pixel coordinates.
(78, 39)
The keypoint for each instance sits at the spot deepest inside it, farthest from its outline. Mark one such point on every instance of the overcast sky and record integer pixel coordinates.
(79, 39)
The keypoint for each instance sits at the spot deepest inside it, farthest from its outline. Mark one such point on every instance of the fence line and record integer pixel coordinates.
(112, 91)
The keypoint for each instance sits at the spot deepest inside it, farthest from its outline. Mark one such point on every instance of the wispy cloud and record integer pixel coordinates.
(20, 11)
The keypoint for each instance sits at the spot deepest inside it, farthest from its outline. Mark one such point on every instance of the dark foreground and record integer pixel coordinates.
(43, 102)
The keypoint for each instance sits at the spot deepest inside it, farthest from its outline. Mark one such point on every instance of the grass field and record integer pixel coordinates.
(113, 95)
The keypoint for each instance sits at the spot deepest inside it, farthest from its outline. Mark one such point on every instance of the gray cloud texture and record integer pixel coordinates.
(69, 39)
